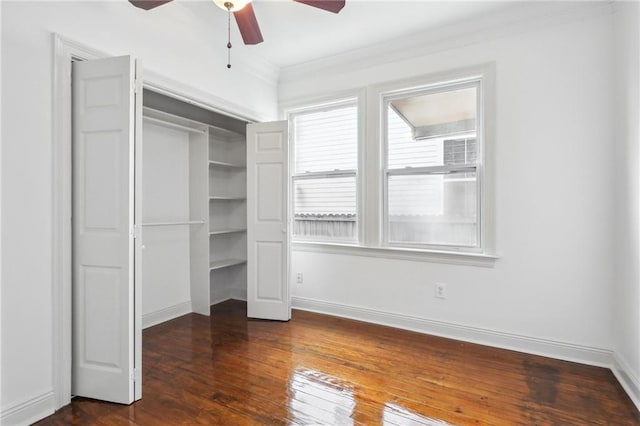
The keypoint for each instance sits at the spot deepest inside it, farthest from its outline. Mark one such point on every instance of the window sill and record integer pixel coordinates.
(416, 255)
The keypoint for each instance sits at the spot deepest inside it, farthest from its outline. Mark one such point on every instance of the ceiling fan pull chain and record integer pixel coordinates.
(229, 5)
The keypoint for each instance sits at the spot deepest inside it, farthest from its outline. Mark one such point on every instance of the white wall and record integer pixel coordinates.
(627, 190)
(165, 181)
(554, 197)
(173, 47)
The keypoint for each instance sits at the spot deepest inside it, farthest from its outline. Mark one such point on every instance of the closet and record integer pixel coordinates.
(160, 189)
(193, 231)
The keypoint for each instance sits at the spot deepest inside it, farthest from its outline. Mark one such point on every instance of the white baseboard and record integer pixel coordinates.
(239, 294)
(225, 294)
(43, 405)
(30, 411)
(549, 348)
(166, 314)
(219, 295)
(627, 377)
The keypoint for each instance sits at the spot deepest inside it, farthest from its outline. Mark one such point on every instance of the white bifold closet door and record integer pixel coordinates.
(106, 300)
(268, 221)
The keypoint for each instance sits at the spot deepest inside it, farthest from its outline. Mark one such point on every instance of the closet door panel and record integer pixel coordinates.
(268, 222)
(104, 314)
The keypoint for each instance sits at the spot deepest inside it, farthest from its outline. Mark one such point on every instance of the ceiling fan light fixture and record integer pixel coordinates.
(231, 5)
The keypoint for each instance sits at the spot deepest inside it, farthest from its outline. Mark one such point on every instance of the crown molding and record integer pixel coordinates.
(517, 19)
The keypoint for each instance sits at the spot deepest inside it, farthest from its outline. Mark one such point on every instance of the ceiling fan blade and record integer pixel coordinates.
(248, 25)
(334, 6)
(148, 4)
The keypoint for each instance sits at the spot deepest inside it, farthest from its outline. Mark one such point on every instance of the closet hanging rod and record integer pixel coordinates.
(188, 222)
(173, 125)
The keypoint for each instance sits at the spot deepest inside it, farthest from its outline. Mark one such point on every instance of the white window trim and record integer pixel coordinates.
(311, 104)
(417, 255)
(371, 176)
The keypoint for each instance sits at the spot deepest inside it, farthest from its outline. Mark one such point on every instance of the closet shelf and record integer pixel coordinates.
(226, 165)
(222, 197)
(173, 125)
(219, 264)
(185, 222)
(227, 231)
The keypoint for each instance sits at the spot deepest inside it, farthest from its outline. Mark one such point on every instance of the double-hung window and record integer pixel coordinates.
(325, 164)
(426, 187)
(432, 144)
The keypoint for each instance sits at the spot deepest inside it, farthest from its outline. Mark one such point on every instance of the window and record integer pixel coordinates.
(420, 188)
(431, 172)
(325, 147)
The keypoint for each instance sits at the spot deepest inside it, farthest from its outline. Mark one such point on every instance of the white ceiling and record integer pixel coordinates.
(295, 33)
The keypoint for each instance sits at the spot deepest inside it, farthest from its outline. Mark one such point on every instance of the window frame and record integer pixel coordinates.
(370, 166)
(321, 104)
(385, 104)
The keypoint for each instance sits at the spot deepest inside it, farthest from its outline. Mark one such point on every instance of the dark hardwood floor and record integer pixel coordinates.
(323, 370)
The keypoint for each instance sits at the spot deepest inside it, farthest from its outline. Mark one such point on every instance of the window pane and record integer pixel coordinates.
(421, 129)
(326, 140)
(404, 151)
(325, 208)
(460, 151)
(433, 209)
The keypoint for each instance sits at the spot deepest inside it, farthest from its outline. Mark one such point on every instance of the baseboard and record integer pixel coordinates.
(166, 314)
(239, 294)
(225, 294)
(549, 348)
(627, 377)
(219, 295)
(30, 411)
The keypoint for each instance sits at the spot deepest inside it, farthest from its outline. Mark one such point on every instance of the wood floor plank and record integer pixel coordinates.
(322, 370)
(361, 366)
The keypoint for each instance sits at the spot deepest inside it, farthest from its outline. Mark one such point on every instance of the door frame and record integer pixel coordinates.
(66, 51)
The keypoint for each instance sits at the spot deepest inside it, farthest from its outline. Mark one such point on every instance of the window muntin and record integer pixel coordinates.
(431, 176)
(325, 141)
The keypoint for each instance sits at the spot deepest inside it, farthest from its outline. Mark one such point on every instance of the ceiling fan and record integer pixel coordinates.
(243, 12)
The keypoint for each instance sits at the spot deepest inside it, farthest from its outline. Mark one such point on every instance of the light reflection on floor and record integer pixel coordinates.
(394, 414)
(316, 396)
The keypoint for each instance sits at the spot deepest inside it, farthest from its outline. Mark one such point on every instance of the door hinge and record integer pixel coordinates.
(135, 375)
(137, 86)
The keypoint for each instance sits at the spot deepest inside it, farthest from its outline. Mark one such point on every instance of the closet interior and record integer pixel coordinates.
(194, 208)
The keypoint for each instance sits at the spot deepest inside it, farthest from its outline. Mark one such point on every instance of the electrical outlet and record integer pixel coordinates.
(299, 278)
(441, 291)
